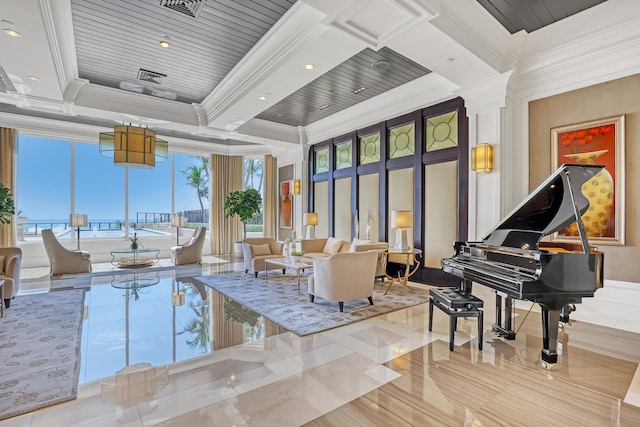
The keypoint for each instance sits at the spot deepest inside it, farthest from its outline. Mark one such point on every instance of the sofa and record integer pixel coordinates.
(334, 277)
(256, 249)
(323, 248)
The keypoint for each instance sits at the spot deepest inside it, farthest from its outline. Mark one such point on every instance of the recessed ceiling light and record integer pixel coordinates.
(309, 66)
(262, 98)
(165, 42)
(360, 89)
(9, 29)
(322, 107)
(451, 59)
(33, 78)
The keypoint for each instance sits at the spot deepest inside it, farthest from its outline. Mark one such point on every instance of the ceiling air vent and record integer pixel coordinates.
(150, 76)
(190, 8)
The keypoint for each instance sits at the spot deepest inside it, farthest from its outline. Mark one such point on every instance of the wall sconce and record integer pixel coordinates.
(401, 221)
(482, 158)
(78, 220)
(296, 187)
(310, 220)
(178, 221)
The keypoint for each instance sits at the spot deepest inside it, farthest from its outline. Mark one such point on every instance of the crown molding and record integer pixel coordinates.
(487, 94)
(58, 26)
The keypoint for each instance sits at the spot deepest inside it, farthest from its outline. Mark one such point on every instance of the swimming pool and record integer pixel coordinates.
(112, 233)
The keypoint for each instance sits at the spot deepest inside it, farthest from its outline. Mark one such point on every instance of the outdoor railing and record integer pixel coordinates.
(35, 228)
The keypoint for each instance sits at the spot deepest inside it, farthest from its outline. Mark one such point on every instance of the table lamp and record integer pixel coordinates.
(78, 220)
(310, 220)
(401, 221)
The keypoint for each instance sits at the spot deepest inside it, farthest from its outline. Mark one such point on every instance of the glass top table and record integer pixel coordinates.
(133, 258)
(288, 262)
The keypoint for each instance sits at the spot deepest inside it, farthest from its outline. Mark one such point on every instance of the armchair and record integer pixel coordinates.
(190, 252)
(10, 260)
(255, 250)
(344, 277)
(63, 260)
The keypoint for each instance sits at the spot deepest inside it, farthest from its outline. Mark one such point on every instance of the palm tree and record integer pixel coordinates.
(198, 327)
(198, 178)
(252, 167)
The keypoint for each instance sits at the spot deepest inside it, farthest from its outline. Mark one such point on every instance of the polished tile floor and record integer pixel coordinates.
(384, 371)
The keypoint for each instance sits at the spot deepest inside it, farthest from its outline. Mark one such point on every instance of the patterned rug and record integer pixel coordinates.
(40, 351)
(279, 301)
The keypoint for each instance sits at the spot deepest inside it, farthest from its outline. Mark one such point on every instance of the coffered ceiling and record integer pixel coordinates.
(260, 74)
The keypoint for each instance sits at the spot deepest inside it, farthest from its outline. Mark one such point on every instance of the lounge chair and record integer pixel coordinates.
(63, 260)
(190, 252)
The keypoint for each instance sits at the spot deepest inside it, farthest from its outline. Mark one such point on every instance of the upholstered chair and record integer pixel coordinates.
(63, 260)
(344, 277)
(190, 252)
(256, 249)
(10, 260)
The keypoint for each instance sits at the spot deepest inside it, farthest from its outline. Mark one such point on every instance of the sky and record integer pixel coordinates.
(44, 182)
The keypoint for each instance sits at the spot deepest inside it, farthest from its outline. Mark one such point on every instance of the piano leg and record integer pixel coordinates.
(550, 320)
(504, 330)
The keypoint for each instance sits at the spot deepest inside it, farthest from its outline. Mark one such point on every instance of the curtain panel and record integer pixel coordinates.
(227, 177)
(8, 141)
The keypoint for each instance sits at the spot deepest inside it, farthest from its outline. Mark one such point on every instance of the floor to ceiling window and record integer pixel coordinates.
(56, 178)
(253, 177)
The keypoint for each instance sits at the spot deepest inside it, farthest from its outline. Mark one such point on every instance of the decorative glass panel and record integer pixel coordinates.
(322, 160)
(401, 141)
(343, 155)
(370, 149)
(442, 131)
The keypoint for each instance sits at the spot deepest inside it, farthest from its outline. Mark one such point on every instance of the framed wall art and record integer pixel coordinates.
(286, 204)
(599, 142)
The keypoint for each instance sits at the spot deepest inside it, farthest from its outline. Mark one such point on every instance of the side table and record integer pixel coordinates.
(412, 264)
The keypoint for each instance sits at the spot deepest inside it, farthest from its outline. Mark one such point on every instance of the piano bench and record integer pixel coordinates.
(456, 304)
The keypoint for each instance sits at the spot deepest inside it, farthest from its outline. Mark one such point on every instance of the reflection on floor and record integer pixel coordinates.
(388, 370)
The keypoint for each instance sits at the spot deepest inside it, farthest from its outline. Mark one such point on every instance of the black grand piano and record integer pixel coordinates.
(512, 260)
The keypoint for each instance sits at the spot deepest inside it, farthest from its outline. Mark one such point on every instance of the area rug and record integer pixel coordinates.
(279, 301)
(40, 351)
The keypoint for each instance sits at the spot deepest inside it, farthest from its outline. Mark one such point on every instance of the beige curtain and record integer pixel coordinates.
(227, 177)
(270, 202)
(8, 140)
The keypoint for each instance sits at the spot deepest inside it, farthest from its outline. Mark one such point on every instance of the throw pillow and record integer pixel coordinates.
(257, 250)
(357, 242)
(332, 246)
(1, 264)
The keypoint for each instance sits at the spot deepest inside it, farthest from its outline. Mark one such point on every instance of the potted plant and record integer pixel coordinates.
(297, 255)
(7, 207)
(245, 204)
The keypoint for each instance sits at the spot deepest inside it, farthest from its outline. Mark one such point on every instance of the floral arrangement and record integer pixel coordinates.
(135, 240)
(297, 253)
(584, 140)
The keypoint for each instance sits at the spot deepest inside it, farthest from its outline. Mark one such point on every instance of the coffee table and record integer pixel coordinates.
(297, 266)
(134, 258)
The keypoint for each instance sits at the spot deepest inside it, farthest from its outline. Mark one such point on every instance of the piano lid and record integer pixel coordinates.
(547, 209)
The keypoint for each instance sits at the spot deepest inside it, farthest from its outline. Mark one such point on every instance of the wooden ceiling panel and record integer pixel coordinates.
(531, 15)
(336, 87)
(116, 39)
